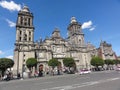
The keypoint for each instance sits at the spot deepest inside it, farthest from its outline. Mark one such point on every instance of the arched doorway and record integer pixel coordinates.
(40, 70)
(59, 68)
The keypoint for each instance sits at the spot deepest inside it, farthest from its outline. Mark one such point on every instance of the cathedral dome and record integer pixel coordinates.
(25, 9)
(73, 20)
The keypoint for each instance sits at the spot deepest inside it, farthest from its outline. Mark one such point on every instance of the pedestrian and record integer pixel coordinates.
(36, 73)
(18, 76)
(40, 73)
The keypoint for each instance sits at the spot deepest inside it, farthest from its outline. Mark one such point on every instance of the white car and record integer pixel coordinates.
(84, 71)
(117, 68)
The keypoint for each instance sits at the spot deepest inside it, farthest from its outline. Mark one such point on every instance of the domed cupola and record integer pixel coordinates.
(25, 9)
(73, 20)
(75, 35)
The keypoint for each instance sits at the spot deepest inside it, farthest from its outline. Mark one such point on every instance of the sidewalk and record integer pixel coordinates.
(35, 78)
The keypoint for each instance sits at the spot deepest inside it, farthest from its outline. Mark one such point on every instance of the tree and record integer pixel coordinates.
(97, 61)
(69, 62)
(31, 62)
(5, 63)
(53, 63)
(116, 62)
(109, 62)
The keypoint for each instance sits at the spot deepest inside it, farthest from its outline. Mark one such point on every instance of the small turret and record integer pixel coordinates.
(73, 20)
(25, 9)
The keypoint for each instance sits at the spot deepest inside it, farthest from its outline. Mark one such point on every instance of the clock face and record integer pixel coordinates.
(40, 54)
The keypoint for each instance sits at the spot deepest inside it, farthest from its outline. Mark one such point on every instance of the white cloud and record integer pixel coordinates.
(11, 6)
(1, 52)
(91, 29)
(11, 57)
(88, 25)
(11, 24)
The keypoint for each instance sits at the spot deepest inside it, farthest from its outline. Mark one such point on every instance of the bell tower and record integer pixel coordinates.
(24, 26)
(75, 35)
(24, 44)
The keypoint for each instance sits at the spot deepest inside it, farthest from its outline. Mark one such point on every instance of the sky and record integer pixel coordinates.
(100, 20)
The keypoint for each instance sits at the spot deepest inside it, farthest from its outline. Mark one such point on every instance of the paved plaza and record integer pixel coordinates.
(104, 80)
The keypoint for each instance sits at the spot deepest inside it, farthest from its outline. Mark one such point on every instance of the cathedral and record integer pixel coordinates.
(55, 46)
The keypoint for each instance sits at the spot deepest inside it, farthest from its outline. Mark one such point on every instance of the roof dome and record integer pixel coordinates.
(25, 9)
(73, 20)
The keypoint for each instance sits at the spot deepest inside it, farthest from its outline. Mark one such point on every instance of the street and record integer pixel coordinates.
(104, 80)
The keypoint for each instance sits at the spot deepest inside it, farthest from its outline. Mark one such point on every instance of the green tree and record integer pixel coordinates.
(116, 62)
(31, 62)
(97, 61)
(69, 62)
(5, 63)
(53, 63)
(109, 62)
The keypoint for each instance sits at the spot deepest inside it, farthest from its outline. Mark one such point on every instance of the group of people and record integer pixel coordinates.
(8, 76)
(38, 74)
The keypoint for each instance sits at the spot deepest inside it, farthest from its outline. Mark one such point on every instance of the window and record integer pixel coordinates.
(21, 20)
(29, 21)
(20, 32)
(25, 23)
(25, 19)
(53, 47)
(25, 37)
(29, 38)
(80, 41)
(19, 38)
(29, 33)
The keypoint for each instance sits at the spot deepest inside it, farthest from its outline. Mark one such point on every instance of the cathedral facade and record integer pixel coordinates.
(51, 47)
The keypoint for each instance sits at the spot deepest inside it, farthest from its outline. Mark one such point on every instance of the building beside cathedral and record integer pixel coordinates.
(105, 51)
(118, 57)
(55, 46)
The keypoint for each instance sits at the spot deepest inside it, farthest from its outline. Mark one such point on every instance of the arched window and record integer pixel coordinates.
(25, 37)
(25, 21)
(29, 33)
(29, 38)
(80, 41)
(21, 20)
(20, 32)
(19, 38)
(29, 21)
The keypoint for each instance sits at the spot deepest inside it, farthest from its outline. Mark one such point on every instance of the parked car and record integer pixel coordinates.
(84, 71)
(117, 68)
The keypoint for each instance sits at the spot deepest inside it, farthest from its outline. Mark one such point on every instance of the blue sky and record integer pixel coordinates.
(100, 19)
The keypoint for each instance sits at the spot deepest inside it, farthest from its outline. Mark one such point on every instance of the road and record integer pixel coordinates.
(105, 80)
